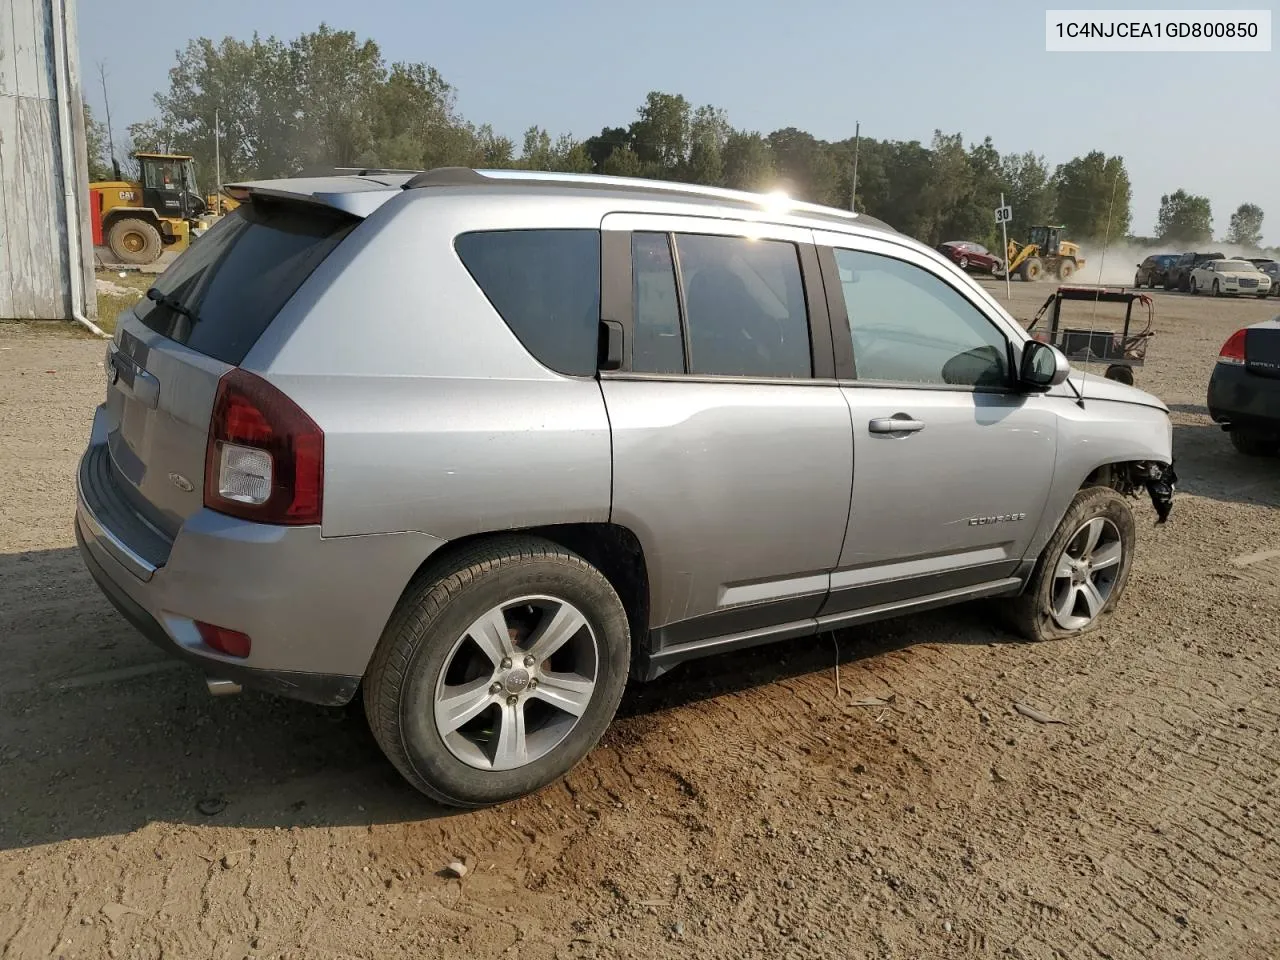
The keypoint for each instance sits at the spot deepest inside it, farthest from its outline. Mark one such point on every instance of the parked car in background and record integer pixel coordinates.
(968, 255)
(1152, 271)
(1222, 277)
(1178, 276)
(1272, 269)
(1244, 389)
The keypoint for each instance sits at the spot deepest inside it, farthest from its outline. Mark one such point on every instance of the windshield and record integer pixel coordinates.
(1244, 265)
(189, 173)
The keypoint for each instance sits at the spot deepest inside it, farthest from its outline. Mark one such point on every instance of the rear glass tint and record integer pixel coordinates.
(237, 276)
(546, 285)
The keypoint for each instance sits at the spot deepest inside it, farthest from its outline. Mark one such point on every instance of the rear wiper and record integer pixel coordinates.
(172, 303)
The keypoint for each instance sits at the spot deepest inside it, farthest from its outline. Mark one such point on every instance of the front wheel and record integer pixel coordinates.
(1194, 289)
(1082, 571)
(963, 263)
(1217, 291)
(499, 672)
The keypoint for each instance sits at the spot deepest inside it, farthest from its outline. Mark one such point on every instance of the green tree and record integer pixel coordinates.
(1246, 226)
(748, 162)
(660, 137)
(97, 147)
(1028, 189)
(1093, 196)
(1184, 218)
(623, 162)
(709, 133)
(807, 167)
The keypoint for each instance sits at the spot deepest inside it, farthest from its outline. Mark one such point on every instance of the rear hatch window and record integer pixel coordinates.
(221, 295)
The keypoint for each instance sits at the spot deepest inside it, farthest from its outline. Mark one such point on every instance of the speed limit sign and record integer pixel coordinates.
(1004, 214)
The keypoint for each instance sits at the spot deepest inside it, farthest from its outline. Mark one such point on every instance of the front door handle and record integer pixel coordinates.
(898, 423)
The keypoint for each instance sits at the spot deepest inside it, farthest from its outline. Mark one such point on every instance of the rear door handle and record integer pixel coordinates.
(898, 423)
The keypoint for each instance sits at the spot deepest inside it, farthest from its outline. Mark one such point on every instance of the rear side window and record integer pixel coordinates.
(546, 285)
(234, 279)
(744, 307)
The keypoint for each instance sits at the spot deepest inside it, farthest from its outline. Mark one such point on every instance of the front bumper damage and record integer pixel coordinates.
(1159, 479)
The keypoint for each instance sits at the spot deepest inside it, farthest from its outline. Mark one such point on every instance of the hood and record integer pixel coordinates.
(1095, 387)
(1239, 274)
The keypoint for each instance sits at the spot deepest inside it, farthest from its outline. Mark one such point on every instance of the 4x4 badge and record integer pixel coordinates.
(181, 482)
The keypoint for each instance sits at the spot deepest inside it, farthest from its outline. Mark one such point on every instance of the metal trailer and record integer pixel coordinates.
(1121, 350)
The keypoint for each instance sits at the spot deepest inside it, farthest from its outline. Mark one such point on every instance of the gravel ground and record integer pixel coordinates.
(742, 806)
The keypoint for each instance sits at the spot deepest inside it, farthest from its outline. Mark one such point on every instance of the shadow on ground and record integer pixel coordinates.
(101, 734)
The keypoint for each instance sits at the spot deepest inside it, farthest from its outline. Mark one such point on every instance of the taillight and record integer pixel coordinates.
(1233, 350)
(231, 642)
(265, 456)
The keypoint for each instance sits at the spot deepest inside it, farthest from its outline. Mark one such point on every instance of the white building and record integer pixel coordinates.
(46, 253)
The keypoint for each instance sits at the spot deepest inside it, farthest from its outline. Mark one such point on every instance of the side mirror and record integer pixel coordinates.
(1043, 366)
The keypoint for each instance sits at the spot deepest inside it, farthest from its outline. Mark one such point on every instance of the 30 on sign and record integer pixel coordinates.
(1158, 31)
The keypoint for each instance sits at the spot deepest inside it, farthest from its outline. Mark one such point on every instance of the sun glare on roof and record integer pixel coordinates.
(776, 201)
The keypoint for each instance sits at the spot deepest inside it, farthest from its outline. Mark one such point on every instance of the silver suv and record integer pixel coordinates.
(484, 444)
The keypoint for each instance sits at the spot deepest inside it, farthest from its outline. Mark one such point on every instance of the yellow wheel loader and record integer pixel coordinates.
(1045, 253)
(163, 209)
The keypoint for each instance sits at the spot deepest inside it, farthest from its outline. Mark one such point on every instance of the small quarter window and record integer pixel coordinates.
(546, 285)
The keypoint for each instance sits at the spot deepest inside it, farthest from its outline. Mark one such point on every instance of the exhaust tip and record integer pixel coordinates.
(221, 688)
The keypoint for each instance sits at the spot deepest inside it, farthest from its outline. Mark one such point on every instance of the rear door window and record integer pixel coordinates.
(227, 288)
(546, 285)
(744, 307)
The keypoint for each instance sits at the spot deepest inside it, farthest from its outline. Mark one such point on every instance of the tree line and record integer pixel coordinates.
(329, 98)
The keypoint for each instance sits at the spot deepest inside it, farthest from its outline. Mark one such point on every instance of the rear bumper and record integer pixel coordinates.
(1239, 398)
(313, 606)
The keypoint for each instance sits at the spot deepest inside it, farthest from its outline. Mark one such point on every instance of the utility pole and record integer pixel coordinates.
(853, 181)
(217, 160)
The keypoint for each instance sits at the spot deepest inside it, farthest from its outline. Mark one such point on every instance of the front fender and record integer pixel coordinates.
(1103, 433)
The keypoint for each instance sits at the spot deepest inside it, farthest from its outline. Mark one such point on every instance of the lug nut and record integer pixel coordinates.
(529, 661)
(512, 701)
(533, 684)
(495, 688)
(506, 663)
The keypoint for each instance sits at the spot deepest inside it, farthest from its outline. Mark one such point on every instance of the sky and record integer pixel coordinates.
(1203, 121)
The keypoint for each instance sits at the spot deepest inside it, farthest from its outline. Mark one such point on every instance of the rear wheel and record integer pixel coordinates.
(498, 673)
(1120, 373)
(1082, 571)
(1253, 443)
(1065, 269)
(134, 241)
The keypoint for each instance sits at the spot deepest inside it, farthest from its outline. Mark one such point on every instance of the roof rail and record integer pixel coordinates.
(352, 171)
(465, 176)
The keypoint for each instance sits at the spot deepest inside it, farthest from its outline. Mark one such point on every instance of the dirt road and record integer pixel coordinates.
(740, 807)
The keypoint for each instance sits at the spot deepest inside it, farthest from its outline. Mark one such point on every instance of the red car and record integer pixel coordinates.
(968, 255)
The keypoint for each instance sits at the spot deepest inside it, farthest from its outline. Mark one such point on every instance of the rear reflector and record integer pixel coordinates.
(1233, 350)
(231, 642)
(265, 456)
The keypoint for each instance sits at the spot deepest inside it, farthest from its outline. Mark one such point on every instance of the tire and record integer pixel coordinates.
(1217, 291)
(1031, 269)
(1052, 584)
(428, 641)
(134, 241)
(1192, 288)
(1120, 374)
(1254, 444)
(963, 263)
(1065, 269)
(1137, 282)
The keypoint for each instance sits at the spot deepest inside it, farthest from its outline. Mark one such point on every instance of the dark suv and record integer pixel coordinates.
(1178, 276)
(1152, 270)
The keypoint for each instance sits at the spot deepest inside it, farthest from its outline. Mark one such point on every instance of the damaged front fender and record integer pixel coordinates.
(1159, 480)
